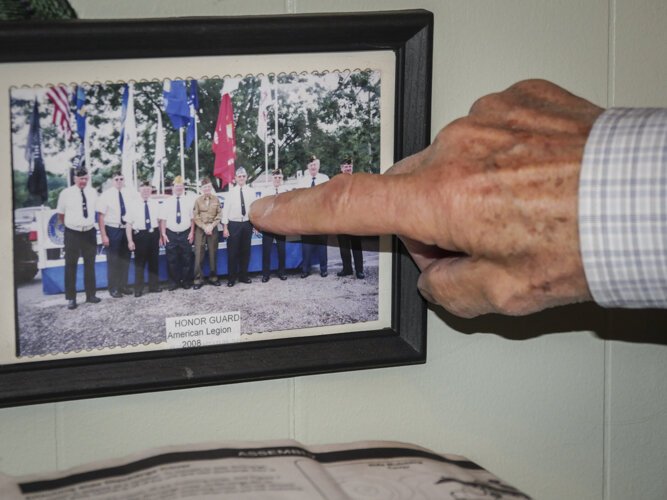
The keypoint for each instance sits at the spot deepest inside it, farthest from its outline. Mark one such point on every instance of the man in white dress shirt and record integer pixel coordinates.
(177, 230)
(112, 208)
(313, 244)
(237, 228)
(143, 238)
(268, 238)
(76, 210)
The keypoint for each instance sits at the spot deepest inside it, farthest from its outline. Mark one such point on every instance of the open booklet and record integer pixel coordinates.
(284, 470)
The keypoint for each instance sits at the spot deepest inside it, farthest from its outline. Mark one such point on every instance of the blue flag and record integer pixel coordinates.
(193, 106)
(176, 103)
(80, 104)
(37, 184)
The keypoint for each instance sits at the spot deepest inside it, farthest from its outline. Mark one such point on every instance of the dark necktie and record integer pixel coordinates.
(122, 207)
(242, 203)
(276, 190)
(178, 210)
(147, 215)
(312, 184)
(84, 205)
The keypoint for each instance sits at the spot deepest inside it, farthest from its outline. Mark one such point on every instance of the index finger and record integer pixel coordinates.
(359, 204)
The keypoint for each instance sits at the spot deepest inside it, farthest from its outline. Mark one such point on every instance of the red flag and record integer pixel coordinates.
(224, 142)
(59, 96)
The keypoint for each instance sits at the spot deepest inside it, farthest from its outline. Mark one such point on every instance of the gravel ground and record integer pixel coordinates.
(46, 326)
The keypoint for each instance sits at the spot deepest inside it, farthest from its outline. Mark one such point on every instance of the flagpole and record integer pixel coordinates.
(196, 152)
(275, 111)
(266, 158)
(86, 145)
(180, 136)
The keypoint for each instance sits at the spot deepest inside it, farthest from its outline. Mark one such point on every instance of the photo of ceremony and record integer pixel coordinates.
(132, 201)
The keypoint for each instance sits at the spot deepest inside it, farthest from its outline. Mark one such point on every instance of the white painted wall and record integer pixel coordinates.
(561, 414)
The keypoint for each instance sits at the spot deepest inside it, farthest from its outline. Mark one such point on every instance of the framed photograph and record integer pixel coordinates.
(134, 151)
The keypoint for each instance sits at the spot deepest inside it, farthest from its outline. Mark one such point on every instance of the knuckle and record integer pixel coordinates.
(485, 103)
(454, 133)
(538, 86)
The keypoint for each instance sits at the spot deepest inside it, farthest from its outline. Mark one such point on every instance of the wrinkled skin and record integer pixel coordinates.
(488, 211)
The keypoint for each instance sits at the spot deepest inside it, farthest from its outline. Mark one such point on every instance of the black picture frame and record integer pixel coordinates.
(407, 33)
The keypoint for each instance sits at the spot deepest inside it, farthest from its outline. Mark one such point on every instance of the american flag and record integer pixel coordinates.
(59, 96)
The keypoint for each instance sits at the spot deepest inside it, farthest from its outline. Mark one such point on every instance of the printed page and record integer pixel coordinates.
(275, 471)
(398, 471)
(284, 470)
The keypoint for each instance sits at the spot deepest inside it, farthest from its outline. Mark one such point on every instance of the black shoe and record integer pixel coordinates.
(93, 299)
(187, 286)
(196, 286)
(324, 274)
(265, 279)
(305, 275)
(230, 283)
(138, 293)
(173, 287)
(127, 291)
(344, 273)
(71, 304)
(215, 283)
(155, 290)
(116, 294)
(247, 281)
(283, 277)
(360, 276)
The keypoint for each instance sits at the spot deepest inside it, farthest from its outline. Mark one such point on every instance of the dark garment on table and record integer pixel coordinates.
(80, 243)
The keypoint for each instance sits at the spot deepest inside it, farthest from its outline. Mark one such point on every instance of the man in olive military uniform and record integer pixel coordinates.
(207, 215)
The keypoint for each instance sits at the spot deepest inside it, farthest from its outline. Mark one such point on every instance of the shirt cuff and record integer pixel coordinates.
(623, 208)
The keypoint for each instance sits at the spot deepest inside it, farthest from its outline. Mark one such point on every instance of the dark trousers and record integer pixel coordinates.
(179, 257)
(80, 243)
(146, 251)
(314, 244)
(350, 246)
(118, 258)
(202, 240)
(238, 249)
(267, 244)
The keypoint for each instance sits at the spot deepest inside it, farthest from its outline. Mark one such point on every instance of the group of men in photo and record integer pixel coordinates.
(137, 222)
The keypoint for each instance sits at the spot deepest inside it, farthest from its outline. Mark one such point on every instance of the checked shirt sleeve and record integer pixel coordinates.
(623, 208)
